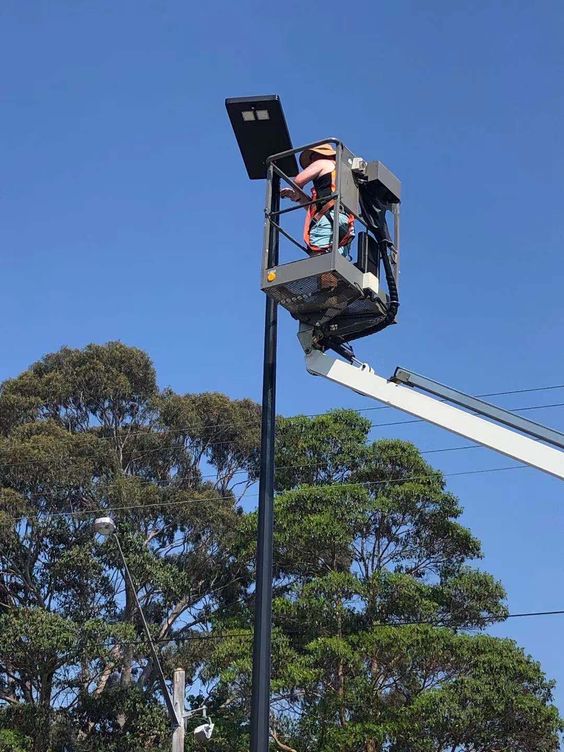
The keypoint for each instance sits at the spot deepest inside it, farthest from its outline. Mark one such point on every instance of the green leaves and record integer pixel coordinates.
(108, 383)
(83, 433)
(423, 688)
(225, 432)
(39, 643)
(319, 450)
(492, 696)
(368, 544)
(374, 585)
(14, 741)
(315, 526)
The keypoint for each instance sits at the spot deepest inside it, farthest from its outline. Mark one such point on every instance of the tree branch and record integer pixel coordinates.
(279, 743)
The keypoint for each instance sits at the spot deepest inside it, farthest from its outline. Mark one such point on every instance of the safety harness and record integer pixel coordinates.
(315, 212)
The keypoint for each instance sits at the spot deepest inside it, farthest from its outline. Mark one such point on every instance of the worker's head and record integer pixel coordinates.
(323, 151)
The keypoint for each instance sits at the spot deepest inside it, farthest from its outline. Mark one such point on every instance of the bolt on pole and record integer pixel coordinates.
(260, 701)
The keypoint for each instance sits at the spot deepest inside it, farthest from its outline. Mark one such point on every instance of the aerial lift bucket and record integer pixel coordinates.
(341, 298)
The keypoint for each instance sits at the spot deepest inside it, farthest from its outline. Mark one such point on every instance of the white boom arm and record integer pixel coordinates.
(363, 380)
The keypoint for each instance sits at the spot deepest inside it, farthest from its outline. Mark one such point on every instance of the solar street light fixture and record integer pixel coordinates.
(260, 129)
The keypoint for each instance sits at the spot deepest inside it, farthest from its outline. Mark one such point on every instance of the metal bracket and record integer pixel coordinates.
(359, 165)
(305, 336)
(189, 713)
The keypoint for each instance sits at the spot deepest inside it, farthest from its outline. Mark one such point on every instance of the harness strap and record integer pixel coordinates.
(315, 213)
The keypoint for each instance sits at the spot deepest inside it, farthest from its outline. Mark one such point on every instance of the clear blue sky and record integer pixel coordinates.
(125, 212)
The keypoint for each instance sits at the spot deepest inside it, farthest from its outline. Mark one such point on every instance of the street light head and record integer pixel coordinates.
(204, 732)
(105, 526)
(260, 129)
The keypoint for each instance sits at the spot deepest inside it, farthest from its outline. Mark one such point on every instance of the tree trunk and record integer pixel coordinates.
(280, 744)
(371, 745)
(340, 674)
(42, 731)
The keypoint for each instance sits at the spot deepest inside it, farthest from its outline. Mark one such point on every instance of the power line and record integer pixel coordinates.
(61, 464)
(505, 393)
(201, 500)
(211, 445)
(421, 420)
(535, 613)
(397, 624)
(452, 449)
(169, 482)
(179, 429)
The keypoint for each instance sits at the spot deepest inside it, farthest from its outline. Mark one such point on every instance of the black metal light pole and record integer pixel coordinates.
(260, 129)
(260, 702)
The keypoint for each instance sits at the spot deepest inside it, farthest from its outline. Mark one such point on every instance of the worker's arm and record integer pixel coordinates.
(312, 171)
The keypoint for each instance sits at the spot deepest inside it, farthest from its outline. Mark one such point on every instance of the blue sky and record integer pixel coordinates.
(125, 213)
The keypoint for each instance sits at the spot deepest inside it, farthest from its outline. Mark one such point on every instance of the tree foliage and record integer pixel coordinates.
(379, 609)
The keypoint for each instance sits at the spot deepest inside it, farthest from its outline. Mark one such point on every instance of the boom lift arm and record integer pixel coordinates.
(337, 301)
(513, 441)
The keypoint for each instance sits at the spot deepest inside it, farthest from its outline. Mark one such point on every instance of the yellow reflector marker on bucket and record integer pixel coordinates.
(271, 276)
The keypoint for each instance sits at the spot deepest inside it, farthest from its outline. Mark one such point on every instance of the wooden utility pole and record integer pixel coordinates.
(178, 700)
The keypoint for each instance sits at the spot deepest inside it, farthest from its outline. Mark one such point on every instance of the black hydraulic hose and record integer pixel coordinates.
(393, 294)
(344, 350)
(373, 212)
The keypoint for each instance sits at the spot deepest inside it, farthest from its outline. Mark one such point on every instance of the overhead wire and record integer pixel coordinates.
(528, 390)
(248, 634)
(210, 445)
(421, 420)
(169, 482)
(63, 463)
(201, 500)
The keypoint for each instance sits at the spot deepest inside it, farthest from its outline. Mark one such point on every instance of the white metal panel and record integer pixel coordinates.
(364, 381)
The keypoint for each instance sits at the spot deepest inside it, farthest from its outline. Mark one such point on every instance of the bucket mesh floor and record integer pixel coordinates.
(361, 315)
(312, 293)
(317, 299)
(329, 303)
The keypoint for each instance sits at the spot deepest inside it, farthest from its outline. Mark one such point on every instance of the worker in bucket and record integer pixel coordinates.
(319, 167)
